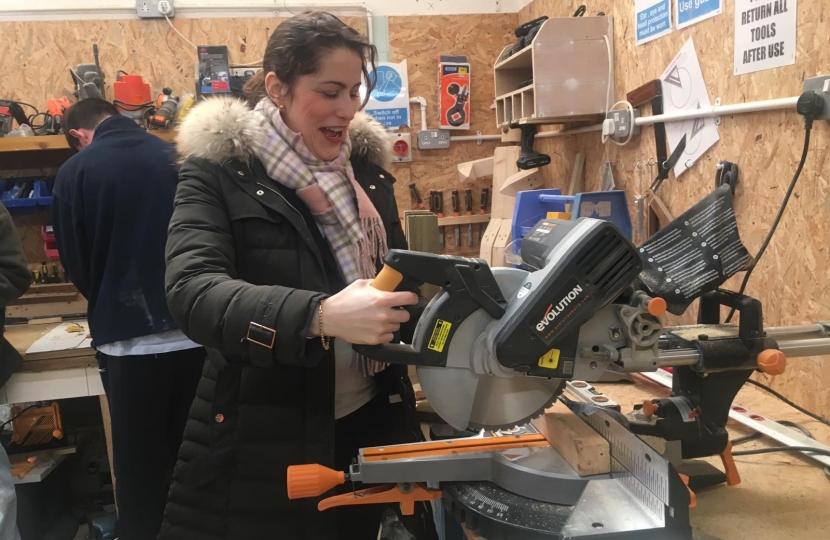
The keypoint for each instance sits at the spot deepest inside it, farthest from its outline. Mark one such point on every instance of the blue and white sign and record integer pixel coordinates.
(690, 12)
(389, 101)
(652, 19)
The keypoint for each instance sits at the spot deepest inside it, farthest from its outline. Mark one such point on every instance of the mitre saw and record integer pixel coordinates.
(495, 349)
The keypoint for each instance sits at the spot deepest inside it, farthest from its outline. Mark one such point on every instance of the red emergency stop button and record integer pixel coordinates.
(400, 147)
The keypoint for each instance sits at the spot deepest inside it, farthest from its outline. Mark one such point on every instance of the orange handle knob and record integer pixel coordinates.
(772, 362)
(649, 408)
(387, 280)
(657, 307)
(306, 481)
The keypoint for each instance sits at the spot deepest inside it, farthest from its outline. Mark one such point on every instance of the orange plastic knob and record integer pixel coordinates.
(772, 362)
(306, 481)
(657, 307)
(649, 409)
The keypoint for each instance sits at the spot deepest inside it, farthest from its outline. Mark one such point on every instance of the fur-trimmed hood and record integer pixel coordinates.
(221, 129)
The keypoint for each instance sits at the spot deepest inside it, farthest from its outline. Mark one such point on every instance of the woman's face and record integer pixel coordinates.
(322, 104)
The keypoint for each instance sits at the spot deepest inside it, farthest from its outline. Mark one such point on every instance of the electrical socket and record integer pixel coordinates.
(820, 85)
(154, 9)
(623, 123)
(433, 139)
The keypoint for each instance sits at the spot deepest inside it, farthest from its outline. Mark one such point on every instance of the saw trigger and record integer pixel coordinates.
(405, 494)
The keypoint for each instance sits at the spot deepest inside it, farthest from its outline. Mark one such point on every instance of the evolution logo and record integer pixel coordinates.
(553, 312)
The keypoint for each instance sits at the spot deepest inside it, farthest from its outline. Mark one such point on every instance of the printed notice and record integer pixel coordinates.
(683, 90)
(764, 34)
(389, 101)
(652, 19)
(690, 12)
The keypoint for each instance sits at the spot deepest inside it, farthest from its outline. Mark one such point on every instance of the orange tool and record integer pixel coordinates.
(56, 108)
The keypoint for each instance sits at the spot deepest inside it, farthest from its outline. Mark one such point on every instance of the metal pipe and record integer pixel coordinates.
(369, 32)
(678, 357)
(719, 110)
(476, 138)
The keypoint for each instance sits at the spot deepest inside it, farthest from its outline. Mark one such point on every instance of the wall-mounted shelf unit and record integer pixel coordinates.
(562, 76)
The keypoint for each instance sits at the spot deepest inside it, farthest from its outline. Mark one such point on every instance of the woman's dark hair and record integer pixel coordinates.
(297, 45)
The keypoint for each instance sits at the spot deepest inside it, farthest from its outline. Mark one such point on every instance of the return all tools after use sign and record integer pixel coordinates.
(765, 32)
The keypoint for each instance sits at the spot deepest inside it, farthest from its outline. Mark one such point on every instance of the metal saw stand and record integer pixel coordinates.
(532, 493)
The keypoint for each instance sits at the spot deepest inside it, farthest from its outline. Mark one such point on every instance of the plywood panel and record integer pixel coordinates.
(38, 54)
(793, 279)
(420, 40)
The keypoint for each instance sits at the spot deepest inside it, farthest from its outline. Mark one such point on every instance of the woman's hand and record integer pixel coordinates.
(363, 315)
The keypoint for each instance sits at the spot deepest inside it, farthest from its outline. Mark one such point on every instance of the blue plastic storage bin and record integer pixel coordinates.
(43, 195)
(9, 196)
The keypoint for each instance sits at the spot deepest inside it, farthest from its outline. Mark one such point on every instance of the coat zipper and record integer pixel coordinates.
(272, 190)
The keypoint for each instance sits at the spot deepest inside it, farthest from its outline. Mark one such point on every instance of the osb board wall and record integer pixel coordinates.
(793, 278)
(39, 53)
(420, 40)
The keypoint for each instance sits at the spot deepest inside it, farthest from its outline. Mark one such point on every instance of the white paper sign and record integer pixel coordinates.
(652, 19)
(690, 12)
(764, 34)
(389, 101)
(684, 89)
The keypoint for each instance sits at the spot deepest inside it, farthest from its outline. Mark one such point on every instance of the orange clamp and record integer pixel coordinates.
(692, 496)
(733, 478)
(772, 362)
(384, 494)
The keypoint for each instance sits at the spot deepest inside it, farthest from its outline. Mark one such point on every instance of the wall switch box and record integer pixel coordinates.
(433, 139)
(154, 9)
(623, 123)
(820, 85)
(401, 147)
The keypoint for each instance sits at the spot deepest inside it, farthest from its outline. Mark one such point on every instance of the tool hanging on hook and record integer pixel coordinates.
(726, 172)
(666, 166)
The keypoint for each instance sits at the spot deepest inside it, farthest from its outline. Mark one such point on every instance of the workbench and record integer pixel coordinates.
(782, 495)
(54, 375)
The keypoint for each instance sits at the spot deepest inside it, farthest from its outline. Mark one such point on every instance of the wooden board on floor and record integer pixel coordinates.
(582, 447)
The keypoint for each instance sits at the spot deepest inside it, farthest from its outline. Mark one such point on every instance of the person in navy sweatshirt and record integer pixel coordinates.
(111, 206)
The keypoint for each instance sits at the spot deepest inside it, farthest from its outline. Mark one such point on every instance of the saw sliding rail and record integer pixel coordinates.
(793, 341)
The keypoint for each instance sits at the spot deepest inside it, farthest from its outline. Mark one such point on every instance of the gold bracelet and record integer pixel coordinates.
(323, 339)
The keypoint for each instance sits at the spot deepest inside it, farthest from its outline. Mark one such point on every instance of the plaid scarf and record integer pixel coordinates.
(354, 232)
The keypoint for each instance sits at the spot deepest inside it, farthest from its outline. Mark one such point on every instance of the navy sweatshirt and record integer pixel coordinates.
(111, 206)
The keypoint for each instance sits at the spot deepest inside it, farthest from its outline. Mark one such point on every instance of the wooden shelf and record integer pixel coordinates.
(57, 142)
(568, 64)
(45, 151)
(463, 220)
(521, 59)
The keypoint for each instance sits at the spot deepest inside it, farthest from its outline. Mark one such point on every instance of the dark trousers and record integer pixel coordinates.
(374, 424)
(149, 398)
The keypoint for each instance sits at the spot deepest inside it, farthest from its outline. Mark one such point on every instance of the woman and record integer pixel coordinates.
(283, 214)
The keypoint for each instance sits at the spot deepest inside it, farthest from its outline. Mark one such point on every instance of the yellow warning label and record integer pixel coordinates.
(439, 336)
(550, 359)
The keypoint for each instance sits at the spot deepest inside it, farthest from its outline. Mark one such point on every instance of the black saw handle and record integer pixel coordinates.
(470, 285)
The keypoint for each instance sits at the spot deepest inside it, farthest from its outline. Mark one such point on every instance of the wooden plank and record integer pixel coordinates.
(576, 176)
(475, 170)
(582, 447)
(463, 220)
(79, 305)
(522, 181)
(644, 94)
(49, 320)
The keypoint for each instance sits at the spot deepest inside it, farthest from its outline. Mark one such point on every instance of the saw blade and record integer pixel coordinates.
(466, 399)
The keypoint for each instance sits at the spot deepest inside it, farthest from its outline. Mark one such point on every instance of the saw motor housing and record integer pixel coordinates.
(584, 266)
